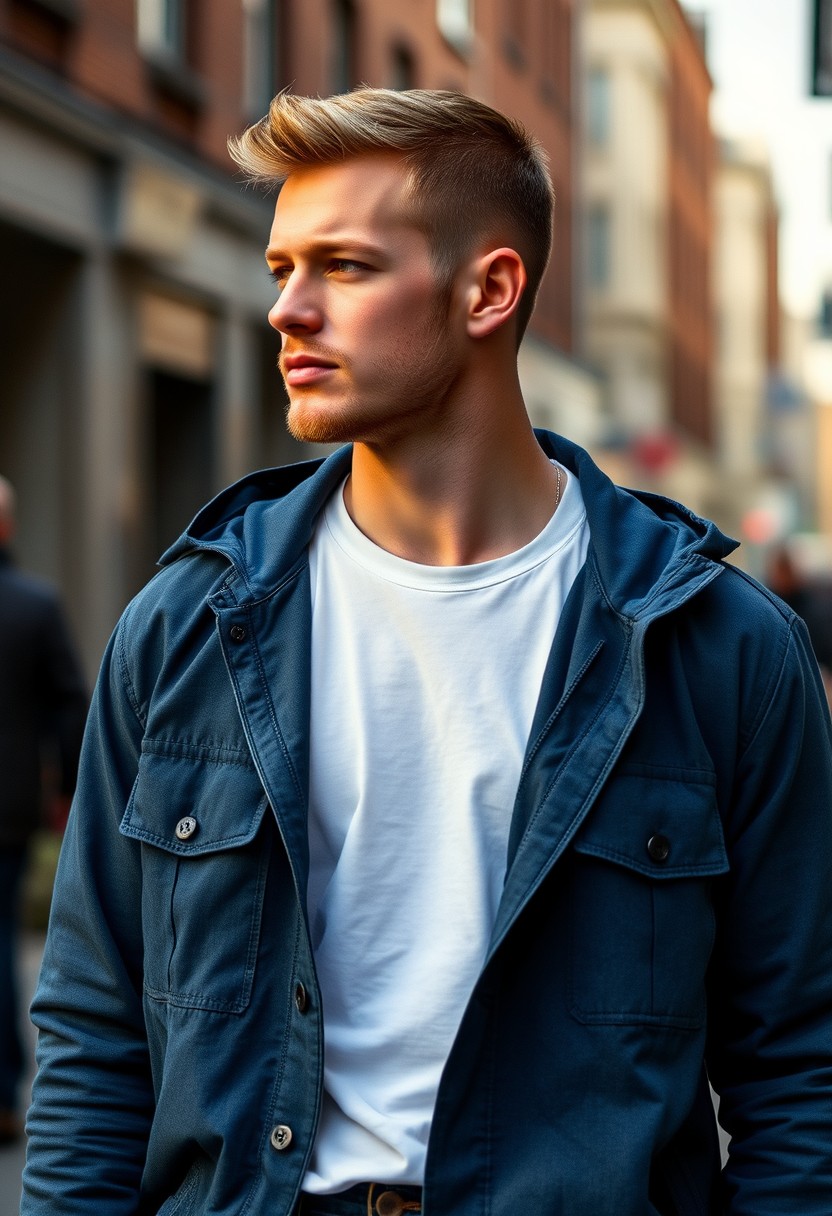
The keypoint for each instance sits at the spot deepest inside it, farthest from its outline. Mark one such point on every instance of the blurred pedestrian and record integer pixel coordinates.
(42, 710)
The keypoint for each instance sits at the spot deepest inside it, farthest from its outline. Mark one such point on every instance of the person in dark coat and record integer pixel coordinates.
(43, 705)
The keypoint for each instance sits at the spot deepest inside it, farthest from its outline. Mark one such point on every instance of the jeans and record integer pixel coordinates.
(12, 864)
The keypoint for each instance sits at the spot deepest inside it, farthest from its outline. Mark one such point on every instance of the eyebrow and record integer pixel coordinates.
(329, 245)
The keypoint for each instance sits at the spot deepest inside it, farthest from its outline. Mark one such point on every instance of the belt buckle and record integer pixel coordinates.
(389, 1203)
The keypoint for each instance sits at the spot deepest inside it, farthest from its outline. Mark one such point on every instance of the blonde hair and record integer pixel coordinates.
(474, 172)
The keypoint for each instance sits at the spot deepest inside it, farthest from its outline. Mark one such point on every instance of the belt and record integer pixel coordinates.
(390, 1203)
(376, 1198)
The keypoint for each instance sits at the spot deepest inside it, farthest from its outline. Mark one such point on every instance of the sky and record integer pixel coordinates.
(759, 53)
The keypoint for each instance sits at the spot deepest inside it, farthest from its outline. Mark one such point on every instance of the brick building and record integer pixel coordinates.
(691, 163)
(137, 369)
(648, 186)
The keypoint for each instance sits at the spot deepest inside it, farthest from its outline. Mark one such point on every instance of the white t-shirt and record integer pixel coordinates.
(425, 681)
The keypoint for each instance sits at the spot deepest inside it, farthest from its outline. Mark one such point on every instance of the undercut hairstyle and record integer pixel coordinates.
(475, 173)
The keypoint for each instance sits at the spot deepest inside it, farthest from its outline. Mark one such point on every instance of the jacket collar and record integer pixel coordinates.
(644, 548)
(263, 524)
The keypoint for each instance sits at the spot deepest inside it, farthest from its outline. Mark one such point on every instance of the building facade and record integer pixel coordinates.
(691, 220)
(747, 321)
(647, 241)
(137, 368)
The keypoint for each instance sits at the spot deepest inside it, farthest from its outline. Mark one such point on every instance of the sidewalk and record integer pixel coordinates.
(12, 1157)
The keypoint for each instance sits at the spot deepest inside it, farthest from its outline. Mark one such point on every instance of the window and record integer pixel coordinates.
(598, 106)
(260, 51)
(455, 19)
(161, 27)
(598, 245)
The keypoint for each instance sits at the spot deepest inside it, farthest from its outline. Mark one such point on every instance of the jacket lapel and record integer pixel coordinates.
(591, 697)
(269, 664)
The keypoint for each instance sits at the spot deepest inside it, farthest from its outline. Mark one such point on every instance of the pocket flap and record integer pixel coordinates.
(660, 825)
(190, 805)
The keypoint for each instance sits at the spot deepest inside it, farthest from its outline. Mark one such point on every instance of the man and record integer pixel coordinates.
(42, 706)
(446, 811)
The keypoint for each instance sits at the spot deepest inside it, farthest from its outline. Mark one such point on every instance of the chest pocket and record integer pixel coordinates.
(642, 920)
(204, 865)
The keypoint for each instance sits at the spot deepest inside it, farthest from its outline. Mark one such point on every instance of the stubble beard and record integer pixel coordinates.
(413, 386)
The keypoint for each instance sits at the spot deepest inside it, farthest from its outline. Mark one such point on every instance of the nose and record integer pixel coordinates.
(296, 308)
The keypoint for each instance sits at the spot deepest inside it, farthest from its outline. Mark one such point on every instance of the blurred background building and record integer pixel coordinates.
(772, 109)
(137, 370)
(649, 227)
(766, 426)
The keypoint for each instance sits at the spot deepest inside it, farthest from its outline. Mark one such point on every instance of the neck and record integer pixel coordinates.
(472, 490)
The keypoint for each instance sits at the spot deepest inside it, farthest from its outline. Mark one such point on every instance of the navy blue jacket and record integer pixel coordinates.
(667, 905)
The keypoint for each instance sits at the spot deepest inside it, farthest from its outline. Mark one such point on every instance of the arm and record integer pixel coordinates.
(770, 1052)
(93, 1098)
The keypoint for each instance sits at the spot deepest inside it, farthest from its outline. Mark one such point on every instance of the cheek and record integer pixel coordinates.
(408, 315)
(380, 327)
(416, 314)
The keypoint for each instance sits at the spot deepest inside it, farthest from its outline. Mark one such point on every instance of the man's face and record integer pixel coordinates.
(370, 351)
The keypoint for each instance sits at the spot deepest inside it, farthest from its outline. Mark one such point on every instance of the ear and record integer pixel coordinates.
(498, 280)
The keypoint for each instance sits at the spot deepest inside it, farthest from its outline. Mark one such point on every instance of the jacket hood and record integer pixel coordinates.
(644, 548)
(648, 550)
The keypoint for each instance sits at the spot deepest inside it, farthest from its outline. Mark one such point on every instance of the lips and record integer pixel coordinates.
(306, 369)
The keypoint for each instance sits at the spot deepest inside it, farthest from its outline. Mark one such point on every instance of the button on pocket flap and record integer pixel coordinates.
(663, 827)
(190, 805)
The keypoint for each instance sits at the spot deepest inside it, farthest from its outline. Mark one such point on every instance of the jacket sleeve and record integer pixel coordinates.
(93, 1099)
(770, 1029)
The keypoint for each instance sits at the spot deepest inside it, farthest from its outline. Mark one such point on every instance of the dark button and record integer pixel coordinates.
(237, 633)
(186, 827)
(658, 847)
(281, 1137)
(301, 999)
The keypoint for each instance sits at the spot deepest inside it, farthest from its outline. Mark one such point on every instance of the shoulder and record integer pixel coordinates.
(742, 611)
(178, 591)
(764, 634)
(734, 641)
(746, 653)
(169, 623)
